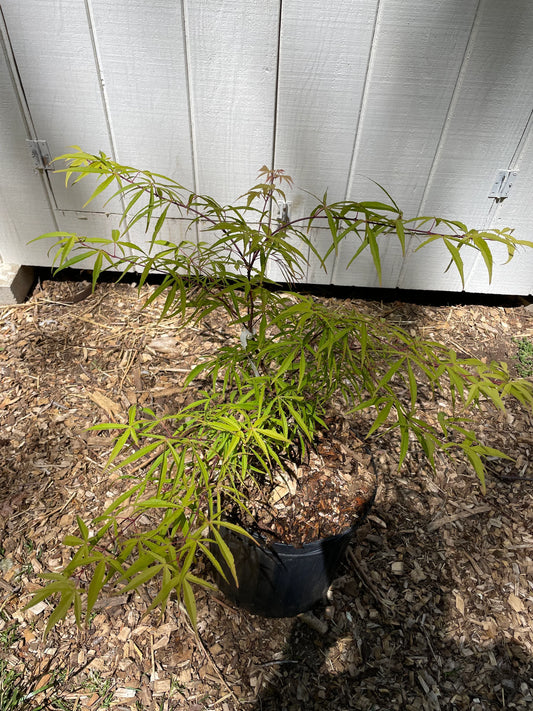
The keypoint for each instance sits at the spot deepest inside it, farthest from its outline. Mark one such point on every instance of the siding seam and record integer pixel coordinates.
(452, 105)
(364, 100)
(190, 105)
(27, 119)
(101, 80)
(362, 108)
(445, 125)
(276, 88)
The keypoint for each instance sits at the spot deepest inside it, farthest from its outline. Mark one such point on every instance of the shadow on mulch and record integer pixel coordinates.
(399, 642)
(306, 683)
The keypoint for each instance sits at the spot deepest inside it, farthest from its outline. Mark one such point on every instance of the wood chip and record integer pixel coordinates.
(125, 693)
(111, 408)
(38, 608)
(161, 686)
(312, 621)
(516, 603)
(460, 603)
(164, 344)
(397, 567)
(435, 525)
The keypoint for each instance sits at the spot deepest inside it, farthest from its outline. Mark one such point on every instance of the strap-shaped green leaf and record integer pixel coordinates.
(404, 434)
(485, 252)
(100, 189)
(143, 577)
(456, 258)
(57, 586)
(381, 417)
(477, 463)
(62, 608)
(95, 587)
(189, 601)
(225, 552)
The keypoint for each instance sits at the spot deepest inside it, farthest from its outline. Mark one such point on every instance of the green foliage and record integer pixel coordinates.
(270, 388)
(524, 356)
(18, 691)
(8, 636)
(101, 686)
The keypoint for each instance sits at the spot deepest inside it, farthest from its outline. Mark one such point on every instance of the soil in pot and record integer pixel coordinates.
(321, 495)
(303, 528)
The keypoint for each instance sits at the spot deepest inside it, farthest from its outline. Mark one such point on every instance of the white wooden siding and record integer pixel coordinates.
(24, 205)
(429, 100)
(232, 50)
(484, 127)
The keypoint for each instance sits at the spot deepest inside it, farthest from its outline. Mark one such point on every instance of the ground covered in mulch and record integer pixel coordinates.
(433, 608)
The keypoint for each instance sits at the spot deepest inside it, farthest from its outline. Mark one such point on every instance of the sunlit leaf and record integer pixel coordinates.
(456, 258)
(484, 249)
(61, 610)
(143, 577)
(189, 601)
(225, 552)
(477, 463)
(100, 189)
(95, 587)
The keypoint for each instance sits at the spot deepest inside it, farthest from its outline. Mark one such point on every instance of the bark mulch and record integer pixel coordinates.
(433, 608)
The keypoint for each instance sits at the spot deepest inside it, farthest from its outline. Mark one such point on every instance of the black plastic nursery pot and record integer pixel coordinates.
(282, 580)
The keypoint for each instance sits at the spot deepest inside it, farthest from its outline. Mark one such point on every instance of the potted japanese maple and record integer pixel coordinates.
(265, 395)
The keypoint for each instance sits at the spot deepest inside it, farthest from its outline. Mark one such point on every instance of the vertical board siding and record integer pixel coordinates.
(429, 100)
(143, 62)
(24, 208)
(517, 213)
(144, 68)
(324, 52)
(55, 57)
(232, 63)
(490, 111)
(232, 50)
(416, 58)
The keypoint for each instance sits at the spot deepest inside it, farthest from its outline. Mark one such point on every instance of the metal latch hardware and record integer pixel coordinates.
(502, 184)
(284, 212)
(40, 153)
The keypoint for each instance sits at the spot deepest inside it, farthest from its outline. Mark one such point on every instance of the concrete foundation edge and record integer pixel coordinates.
(16, 281)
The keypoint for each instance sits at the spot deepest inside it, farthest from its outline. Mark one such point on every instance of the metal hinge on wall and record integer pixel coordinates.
(503, 183)
(41, 154)
(284, 212)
